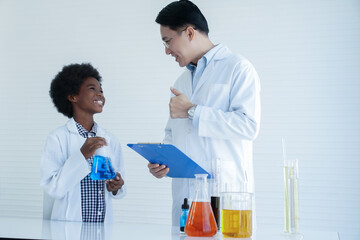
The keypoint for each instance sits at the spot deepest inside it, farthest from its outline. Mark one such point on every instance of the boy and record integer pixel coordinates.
(66, 162)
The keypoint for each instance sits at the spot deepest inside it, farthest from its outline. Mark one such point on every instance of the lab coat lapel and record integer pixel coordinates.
(185, 84)
(223, 52)
(204, 77)
(71, 126)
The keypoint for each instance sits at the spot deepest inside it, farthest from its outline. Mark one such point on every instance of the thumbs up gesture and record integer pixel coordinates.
(179, 104)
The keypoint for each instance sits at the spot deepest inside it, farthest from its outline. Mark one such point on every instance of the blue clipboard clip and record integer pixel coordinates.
(180, 165)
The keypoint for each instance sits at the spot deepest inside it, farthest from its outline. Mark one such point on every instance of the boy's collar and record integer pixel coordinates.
(71, 126)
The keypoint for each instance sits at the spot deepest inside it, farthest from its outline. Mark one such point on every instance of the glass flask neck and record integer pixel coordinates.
(201, 193)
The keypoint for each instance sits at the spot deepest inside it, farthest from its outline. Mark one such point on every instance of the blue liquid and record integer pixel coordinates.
(183, 218)
(102, 169)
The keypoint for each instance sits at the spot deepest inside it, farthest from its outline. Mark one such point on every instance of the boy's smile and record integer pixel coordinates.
(100, 102)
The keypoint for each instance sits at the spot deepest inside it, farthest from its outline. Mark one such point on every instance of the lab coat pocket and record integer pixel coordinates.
(218, 96)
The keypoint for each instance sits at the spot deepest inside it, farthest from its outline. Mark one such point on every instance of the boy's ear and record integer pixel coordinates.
(72, 98)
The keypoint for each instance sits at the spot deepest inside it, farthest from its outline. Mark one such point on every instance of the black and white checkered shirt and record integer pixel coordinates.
(92, 191)
(92, 231)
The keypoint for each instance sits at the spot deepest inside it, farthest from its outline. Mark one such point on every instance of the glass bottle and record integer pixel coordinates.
(201, 221)
(184, 214)
(215, 190)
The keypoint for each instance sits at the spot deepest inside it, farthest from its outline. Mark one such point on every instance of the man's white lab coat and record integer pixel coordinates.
(63, 167)
(226, 121)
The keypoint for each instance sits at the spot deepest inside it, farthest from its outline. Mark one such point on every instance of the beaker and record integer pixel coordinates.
(201, 221)
(236, 214)
(102, 169)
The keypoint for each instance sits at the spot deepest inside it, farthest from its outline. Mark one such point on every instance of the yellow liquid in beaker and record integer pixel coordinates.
(237, 223)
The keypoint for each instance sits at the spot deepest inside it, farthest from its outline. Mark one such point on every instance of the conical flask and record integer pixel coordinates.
(101, 168)
(201, 221)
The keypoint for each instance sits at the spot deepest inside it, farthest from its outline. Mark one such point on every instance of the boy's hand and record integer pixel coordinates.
(91, 145)
(113, 185)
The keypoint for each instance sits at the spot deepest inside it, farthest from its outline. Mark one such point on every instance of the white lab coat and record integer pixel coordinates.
(63, 167)
(226, 122)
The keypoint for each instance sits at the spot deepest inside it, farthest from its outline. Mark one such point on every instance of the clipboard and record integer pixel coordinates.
(180, 165)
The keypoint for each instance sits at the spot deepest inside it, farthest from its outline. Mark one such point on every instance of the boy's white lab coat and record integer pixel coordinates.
(63, 167)
(226, 122)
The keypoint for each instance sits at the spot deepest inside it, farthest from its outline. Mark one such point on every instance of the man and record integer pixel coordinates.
(215, 110)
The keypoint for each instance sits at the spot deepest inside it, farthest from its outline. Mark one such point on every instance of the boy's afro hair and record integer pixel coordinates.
(67, 82)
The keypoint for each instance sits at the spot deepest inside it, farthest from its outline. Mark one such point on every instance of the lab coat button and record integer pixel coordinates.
(99, 213)
(100, 192)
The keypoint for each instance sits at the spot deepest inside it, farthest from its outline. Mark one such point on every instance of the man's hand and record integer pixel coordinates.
(159, 171)
(113, 185)
(179, 105)
(91, 145)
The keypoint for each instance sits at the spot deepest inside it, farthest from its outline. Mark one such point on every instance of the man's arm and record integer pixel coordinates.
(241, 121)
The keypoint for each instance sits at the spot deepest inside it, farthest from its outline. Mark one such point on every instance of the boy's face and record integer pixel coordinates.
(90, 98)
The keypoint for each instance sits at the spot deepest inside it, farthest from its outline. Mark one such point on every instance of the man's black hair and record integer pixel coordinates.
(182, 13)
(67, 82)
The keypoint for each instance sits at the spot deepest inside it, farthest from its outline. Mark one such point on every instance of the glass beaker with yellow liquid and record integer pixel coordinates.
(236, 214)
(201, 221)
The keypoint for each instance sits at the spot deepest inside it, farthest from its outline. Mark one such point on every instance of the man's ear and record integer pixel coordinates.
(190, 31)
(72, 98)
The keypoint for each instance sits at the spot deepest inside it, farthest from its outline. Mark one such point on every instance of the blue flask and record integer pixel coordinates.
(101, 168)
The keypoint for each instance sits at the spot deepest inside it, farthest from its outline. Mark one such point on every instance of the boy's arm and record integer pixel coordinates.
(59, 175)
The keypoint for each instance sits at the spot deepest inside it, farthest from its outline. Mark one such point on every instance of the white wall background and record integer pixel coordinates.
(307, 54)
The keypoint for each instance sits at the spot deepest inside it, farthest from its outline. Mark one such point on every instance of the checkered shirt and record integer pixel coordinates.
(92, 191)
(92, 231)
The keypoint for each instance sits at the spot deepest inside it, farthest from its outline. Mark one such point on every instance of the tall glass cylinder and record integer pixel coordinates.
(291, 175)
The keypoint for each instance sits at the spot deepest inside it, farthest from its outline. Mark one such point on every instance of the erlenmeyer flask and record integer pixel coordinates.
(101, 168)
(201, 221)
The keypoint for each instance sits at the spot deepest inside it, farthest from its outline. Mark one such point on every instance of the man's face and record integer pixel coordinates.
(178, 44)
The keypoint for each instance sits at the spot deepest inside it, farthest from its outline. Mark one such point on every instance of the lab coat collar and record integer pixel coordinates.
(71, 126)
(221, 52)
(210, 55)
(218, 52)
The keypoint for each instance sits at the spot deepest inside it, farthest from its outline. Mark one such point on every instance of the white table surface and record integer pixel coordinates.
(28, 228)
